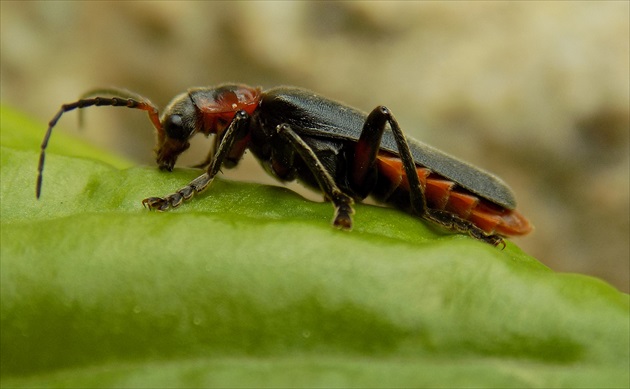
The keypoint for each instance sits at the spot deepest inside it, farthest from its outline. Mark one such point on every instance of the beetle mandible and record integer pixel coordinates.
(343, 152)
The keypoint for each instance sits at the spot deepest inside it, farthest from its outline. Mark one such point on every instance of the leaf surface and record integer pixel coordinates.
(248, 285)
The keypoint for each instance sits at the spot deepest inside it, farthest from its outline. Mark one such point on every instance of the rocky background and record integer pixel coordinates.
(536, 92)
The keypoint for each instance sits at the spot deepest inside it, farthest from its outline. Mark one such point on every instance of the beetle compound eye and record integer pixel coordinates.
(174, 126)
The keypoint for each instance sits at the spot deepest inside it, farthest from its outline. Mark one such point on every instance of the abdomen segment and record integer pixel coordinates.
(446, 195)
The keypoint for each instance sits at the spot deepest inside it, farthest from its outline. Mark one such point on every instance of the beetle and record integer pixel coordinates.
(345, 153)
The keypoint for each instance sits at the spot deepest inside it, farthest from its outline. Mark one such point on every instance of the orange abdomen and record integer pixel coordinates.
(445, 194)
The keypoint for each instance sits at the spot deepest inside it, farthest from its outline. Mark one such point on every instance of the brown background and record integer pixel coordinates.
(537, 93)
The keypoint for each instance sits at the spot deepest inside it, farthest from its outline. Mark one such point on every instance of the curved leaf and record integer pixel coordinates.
(248, 285)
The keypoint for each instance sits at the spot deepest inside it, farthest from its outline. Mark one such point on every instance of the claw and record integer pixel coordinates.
(343, 217)
(156, 204)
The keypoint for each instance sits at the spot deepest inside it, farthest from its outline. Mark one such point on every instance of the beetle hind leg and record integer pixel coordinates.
(455, 223)
(364, 165)
(363, 168)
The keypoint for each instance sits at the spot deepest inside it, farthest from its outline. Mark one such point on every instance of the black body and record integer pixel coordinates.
(297, 134)
(315, 118)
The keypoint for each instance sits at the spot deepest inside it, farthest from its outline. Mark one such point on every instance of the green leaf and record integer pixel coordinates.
(22, 133)
(248, 285)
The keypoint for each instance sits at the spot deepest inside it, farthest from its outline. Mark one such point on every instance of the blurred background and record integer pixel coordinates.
(535, 92)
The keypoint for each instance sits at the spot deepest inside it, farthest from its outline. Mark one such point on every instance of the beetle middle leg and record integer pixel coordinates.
(342, 201)
(236, 130)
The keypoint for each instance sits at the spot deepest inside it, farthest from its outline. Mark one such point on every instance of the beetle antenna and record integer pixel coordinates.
(121, 98)
(124, 94)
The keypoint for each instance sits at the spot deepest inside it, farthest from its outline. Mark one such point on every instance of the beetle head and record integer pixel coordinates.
(205, 110)
(178, 124)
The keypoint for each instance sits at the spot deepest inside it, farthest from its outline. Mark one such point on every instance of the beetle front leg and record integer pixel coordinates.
(342, 202)
(236, 129)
